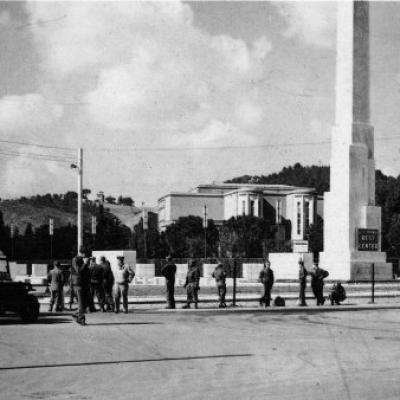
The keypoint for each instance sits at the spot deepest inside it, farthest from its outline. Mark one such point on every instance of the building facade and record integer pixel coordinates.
(291, 209)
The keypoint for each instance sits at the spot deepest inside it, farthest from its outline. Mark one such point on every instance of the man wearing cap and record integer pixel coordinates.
(266, 277)
(108, 283)
(219, 275)
(96, 282)
(317, 283)
(80, 283)
(303, 283)
(192, 285)
(123, 277)
(56, 279)
(169, 271)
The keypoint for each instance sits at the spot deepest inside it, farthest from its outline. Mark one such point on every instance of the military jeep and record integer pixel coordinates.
(15, 296)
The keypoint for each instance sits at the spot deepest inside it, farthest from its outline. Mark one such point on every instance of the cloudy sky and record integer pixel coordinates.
(163, 96)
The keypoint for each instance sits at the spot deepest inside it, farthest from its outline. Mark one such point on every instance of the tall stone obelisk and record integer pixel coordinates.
(352, 222)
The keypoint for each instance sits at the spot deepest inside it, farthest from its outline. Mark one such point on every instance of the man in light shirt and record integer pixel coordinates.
(123, 277)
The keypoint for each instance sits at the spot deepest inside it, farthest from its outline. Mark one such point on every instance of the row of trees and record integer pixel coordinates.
(244, 236)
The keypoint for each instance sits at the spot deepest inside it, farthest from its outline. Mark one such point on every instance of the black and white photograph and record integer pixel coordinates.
(199, 200)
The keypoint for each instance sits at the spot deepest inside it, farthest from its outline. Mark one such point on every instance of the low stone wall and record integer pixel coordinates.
(286, 265)
(39, 270)
(17, 269)
(145, 270)
(208, 270)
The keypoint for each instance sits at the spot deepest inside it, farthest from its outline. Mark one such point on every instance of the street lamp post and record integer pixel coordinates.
(205, 224)
(79, 167)
(145, 220)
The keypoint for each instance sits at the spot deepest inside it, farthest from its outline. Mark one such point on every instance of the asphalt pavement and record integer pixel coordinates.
(239, 353)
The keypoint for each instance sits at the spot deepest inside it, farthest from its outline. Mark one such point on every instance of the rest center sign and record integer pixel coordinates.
(368, 239)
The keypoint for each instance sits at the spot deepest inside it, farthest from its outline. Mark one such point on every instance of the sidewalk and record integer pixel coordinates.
(250, 302)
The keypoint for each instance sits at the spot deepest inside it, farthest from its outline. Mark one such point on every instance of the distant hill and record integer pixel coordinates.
(22, 211)
(297, 175)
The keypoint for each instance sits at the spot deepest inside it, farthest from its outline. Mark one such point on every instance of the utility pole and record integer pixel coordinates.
(145, 218)
(80, 188)
(12, 234)
(205, 224)
(51, 233)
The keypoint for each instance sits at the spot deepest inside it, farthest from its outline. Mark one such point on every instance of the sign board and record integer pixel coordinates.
(367, 239)
(145, 216)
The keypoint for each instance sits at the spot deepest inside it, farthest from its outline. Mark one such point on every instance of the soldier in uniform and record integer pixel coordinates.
(192, 285)
(80, 283)
(123, 276)
(169, 271)
(96, 282)
(303, 283)
(108, 283)
(56, 279)
(72, 292)
(317, 283)
(219, 275)
(266, 277)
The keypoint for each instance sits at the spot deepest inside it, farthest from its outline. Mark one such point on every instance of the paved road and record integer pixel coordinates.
(207, 355)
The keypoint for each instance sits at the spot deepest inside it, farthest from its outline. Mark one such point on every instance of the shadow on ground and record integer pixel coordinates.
(15, 320)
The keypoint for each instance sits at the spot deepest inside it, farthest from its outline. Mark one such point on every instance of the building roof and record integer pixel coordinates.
(265, 188)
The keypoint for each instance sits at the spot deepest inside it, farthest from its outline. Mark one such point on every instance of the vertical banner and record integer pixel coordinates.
(205, 221)
(145, 216)
(51, 227)
(94, 224)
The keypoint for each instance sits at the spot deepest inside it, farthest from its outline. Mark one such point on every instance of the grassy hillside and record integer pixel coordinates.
(20, 213)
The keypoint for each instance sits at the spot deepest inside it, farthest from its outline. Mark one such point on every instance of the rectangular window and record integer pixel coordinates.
(243, 207)
(278, 212)
(252, 211)
(307, 214)
(298, 218)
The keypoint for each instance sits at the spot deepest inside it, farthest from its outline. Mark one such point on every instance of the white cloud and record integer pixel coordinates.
(314, 23)
(142, 74)
(30, 110)
(5, 18)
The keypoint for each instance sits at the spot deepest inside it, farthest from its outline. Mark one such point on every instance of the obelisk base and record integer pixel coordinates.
(356, 266)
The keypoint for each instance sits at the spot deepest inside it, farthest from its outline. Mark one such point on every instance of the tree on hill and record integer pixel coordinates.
(110, 199)
(125, 201)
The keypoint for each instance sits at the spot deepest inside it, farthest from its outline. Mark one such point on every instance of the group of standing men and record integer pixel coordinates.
(317, 274)
(192, 283)
(89, 280)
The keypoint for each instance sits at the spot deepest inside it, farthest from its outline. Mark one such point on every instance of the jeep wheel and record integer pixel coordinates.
(30, 310)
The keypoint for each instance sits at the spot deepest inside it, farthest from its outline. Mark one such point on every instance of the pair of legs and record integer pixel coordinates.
(56, 296)
(221, 295)
(302, 295)
(72, 296)
(170, 291)
(192, 292)
(266, 298)
(97, 290)
(108, 298)
(80, 295)
(121, 291)
(318, 291)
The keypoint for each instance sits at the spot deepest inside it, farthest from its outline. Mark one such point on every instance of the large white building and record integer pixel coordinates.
(297, 206)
